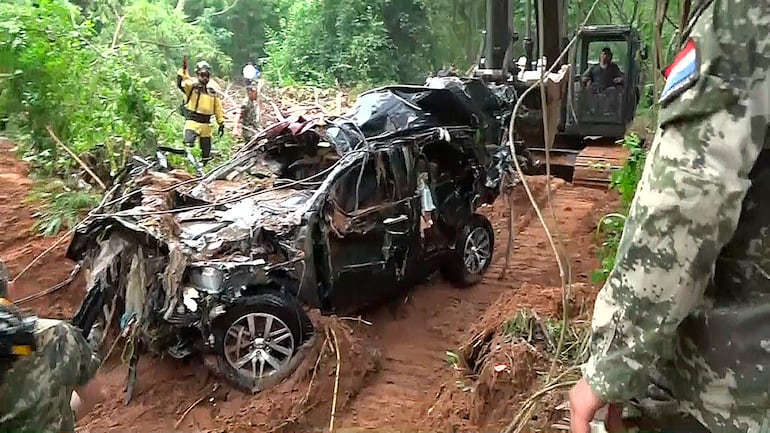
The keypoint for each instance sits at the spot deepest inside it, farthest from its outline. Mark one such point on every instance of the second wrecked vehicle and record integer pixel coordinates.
(333, 215)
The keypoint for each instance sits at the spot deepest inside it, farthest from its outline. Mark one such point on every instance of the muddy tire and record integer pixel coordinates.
(257, 341)
(472, 254)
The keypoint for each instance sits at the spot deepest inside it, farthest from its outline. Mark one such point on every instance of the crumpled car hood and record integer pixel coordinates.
(208, 231)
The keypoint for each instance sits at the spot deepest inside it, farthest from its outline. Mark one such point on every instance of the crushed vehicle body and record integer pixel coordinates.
(227, 264)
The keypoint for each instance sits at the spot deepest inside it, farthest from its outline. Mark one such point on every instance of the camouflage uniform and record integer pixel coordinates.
(35, 393)
(249, 125)
(690, 292)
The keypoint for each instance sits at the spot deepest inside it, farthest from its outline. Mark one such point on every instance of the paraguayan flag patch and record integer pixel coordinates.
(682, 73)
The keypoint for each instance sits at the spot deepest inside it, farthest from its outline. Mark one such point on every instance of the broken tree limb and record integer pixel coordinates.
(116, 35)
(509, 247)
(73, 155)
(336, 380)
(193, 405)
(277, 111)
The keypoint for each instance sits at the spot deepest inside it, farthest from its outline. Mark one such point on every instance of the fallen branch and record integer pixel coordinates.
(529, 406)
(336, 380)
(44, 253)
(315, 371)
(357, 319)
(116, 35)
(66, 235)
(192, 406)
(73, 155)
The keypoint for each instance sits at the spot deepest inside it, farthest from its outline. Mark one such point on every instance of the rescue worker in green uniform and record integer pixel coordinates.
(249, 124)
(201, 102)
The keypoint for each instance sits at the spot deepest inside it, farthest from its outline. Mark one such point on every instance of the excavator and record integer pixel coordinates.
(592, 119)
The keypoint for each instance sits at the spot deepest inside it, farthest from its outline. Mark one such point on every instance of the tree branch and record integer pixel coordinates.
(75, 157)
(232, 5)
(621, 12)
(144, 41)
(118, 27)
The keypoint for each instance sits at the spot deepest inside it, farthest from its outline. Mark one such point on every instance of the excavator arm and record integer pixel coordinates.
(584, 148)
(497, 59)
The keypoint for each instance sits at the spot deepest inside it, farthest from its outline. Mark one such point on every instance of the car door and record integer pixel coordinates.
(369, 228)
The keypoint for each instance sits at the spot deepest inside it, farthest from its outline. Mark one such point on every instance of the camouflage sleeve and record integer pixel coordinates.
(688, 200)
(89, 362)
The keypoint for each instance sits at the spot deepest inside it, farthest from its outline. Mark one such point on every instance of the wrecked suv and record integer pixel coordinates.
(333, 214)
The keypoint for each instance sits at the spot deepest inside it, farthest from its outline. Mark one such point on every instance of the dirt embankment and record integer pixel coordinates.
(393, 374)
(19, 245)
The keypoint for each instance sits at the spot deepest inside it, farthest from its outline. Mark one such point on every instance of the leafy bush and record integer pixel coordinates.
(350, 42)
(61, 206)
(107, 91)
(625, 181)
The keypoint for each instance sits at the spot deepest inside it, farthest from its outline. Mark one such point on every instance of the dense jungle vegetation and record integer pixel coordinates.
(98, 75)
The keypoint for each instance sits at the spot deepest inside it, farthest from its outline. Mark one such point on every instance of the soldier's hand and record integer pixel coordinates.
(583, 405)
(221, 129)
(184, 62)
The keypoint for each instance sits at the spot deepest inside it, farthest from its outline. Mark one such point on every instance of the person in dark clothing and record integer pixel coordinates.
(605, 74)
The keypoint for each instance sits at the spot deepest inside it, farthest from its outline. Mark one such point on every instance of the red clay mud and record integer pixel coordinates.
(19, 245)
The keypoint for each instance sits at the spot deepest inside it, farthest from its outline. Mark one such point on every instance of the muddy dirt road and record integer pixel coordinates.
(393, 392)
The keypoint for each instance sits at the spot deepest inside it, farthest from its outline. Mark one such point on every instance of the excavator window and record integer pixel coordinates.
(603, 65)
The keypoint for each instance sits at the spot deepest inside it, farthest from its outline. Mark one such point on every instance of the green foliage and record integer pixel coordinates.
(101, 73)
(103, 99)
(625, 181)
(527, 326)
(106, 90)
(61, 206)
(323, 42)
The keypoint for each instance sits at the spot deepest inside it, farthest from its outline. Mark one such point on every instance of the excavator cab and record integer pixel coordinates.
(597, 104)
(606, 82)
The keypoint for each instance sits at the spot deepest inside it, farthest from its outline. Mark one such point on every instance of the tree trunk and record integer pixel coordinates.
(686, 6)
(661, 7)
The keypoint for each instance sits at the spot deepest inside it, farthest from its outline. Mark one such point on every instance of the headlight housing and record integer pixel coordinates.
(207, 278)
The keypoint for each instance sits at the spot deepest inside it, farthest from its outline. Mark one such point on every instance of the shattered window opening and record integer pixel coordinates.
(377, 185)
(400, 171)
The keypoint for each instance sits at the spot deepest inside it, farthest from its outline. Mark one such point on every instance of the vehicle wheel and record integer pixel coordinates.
(257, 340)
(472, 254)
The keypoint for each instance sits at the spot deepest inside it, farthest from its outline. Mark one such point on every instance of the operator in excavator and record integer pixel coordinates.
(201, 102)
(605, 74)
(47, 371)
(681, 328)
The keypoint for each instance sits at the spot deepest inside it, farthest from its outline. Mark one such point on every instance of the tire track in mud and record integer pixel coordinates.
(436, 316)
